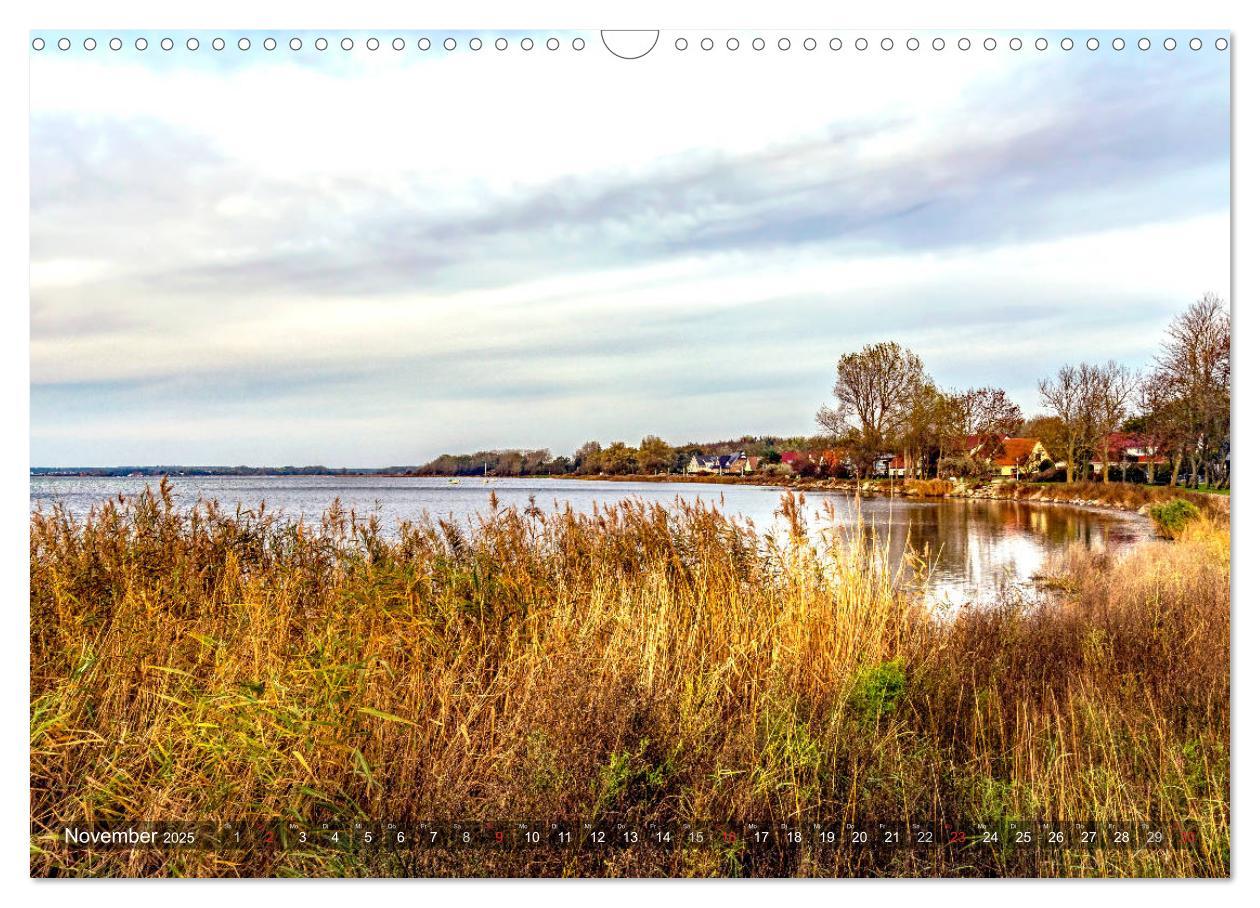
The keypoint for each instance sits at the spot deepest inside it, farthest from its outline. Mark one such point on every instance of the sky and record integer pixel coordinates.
(369, 258)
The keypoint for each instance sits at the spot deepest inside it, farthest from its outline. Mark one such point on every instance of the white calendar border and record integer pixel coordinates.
(396, 14)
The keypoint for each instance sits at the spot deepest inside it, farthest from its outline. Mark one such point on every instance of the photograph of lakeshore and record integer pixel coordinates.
(762, 482)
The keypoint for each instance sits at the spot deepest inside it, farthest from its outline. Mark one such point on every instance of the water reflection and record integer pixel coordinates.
(975, 549)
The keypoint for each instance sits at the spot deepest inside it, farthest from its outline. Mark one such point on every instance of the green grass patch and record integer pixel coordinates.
(1172, 517)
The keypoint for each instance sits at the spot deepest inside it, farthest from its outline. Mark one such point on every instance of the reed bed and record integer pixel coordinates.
(928, 488)
(634, 662)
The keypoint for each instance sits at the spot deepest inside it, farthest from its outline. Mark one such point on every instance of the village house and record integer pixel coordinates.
(1129, 449)
(702, 463)
(1011, 457)
(722, 464)
(1019, 456)
(793, 460)
(831, 462)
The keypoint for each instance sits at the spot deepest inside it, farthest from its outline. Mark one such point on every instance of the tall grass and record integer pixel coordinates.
(632, 662)
(928, 488)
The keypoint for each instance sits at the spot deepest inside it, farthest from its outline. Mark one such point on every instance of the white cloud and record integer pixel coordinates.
(64, 272)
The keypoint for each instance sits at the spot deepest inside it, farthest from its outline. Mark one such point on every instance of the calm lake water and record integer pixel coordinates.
(978, 547)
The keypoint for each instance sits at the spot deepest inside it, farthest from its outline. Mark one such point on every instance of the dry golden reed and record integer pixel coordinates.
(633, 662)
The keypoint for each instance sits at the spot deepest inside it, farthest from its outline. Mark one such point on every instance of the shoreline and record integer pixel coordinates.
(1113, 496)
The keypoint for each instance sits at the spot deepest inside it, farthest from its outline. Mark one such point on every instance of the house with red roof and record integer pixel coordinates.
(1129, 449)
(1018, 456)
(793, 459)
(1007, 456)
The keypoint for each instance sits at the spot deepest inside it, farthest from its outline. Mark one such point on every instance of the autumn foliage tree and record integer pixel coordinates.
(588, 458)
(655, 454)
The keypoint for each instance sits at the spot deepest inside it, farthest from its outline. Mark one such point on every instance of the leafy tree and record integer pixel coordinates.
(558, 466)
(655, 454)
(619, 458)
(493, 463)
(683, 455)
(923, 426)
(1050, 431)
(588, 458)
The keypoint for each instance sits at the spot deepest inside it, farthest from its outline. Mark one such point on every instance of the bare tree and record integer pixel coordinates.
(1159, 422)
(988, 414)
(1108, 390)
(1067, 396)
(990, 410)
(874, 389)
(1193, 370)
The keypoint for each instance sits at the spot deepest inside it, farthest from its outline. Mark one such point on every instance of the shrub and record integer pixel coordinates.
(1172, 517)
(962, 466)
(877, 690)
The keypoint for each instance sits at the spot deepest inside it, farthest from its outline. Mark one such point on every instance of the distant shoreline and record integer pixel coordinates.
(1114, 496)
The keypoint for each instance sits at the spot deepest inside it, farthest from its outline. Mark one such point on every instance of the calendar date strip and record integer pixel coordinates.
(591, 835)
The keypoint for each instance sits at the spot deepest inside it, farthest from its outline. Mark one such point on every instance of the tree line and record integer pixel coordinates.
(652, 455)
(655, 455)
(1177, 409)
(538, 462)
